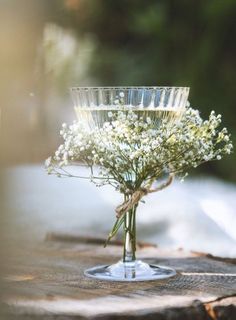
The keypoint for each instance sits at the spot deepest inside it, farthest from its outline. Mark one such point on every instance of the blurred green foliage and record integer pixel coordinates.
(154, 42)
(166, 42)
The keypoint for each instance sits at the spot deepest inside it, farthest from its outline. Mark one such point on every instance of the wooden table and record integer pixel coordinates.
(45, 281)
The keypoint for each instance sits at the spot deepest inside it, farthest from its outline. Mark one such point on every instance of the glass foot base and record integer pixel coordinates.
(130, 271)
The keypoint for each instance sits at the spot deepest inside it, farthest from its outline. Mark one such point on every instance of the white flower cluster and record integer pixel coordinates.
(132, 149)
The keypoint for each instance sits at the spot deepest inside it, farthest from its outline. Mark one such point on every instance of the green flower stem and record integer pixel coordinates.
(129, 249)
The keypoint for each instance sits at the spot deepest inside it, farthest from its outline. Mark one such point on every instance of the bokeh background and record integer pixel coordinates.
(48, 46)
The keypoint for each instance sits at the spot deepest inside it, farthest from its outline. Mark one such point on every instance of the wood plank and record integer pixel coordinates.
(47, 279)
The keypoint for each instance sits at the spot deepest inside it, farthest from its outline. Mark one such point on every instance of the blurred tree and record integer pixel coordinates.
(136, 42)
(174, 42)
(21, 29)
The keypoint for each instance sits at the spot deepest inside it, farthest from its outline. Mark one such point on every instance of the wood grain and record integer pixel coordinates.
(46, 280)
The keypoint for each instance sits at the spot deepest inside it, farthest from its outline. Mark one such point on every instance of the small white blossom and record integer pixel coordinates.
(130, 148)
(48, 162)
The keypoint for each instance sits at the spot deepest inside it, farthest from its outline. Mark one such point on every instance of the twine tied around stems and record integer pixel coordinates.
(139, 194)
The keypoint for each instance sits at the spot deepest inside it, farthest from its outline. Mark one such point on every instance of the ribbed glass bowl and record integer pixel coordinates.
(170, 98)
(93, 104)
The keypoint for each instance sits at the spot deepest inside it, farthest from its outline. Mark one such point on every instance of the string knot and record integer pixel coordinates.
(136, 196)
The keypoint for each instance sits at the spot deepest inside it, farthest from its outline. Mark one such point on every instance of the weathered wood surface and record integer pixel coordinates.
(46, 281)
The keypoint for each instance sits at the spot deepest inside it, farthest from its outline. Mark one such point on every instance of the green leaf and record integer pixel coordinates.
(116, 227)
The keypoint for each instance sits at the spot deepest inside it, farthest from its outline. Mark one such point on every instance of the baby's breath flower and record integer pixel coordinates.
(132, 150)
(48, 162)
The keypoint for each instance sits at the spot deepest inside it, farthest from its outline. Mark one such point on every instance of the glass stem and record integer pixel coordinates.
(130, 235)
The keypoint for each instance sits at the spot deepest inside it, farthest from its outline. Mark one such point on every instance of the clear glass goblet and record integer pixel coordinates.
(92, 105)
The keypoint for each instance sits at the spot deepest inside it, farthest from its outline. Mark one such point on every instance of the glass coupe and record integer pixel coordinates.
(92, 105)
